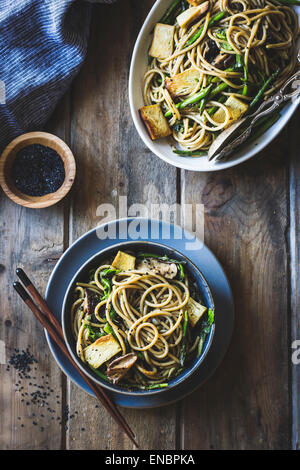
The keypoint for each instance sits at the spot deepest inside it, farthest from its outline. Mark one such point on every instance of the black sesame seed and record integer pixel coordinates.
(38, 170)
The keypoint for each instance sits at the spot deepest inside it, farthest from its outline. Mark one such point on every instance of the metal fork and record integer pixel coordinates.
(266, 108)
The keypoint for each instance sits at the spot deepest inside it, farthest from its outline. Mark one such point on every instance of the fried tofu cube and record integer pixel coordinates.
(192, 14)
(101, 350)
(195, 311)
(236, 109)
(162, 43)
(155, 121)
(124, 261)
(183, 83)
(195, 3)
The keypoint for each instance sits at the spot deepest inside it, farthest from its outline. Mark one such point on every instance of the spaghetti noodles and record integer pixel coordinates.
(151, 311)
(234, 47)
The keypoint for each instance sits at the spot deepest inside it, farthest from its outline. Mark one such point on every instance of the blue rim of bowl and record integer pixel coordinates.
(112, 388)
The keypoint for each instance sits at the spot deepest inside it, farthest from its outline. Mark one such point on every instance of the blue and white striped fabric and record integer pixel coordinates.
(42, 46)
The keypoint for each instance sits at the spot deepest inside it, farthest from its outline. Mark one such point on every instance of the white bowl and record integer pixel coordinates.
(162, 147)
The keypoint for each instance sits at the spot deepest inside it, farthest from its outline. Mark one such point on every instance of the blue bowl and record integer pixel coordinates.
(95, 261)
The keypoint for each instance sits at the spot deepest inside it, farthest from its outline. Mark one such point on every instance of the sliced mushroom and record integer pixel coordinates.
(168, 270)
(210, 50)
(120, 366)
(222, 61)
(90, 302)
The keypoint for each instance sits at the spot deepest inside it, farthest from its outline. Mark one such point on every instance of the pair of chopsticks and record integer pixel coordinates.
(40, 309)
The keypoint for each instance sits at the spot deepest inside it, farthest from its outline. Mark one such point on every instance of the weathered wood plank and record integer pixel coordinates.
(295, 276)
(245, 405)
(32, 239)
(113, 162)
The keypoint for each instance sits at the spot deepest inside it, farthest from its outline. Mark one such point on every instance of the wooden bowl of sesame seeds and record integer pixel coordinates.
(37, 170)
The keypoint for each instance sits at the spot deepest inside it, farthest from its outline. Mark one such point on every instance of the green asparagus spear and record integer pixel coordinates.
(245, 87)
(218, 89)
(263, 128)
(263, 89)
(106, 282)
(207, 93)
(161, 257)
(181, 270)
(168, 17)
(205, 329)
(152, 255)
(202, 105)
(200, 346)
(192, 100)
(108, 329)
(183, 348)
(198, 33)
(221, 34)
(190, 153)
(103, 376)
(213, 109)
(226, 45)
(222, 86)
(93, 334)
(152, 386)
(289, 2)
(238, 62)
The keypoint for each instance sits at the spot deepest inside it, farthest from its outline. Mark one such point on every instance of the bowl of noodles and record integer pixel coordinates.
(199, 66)
(138, 317)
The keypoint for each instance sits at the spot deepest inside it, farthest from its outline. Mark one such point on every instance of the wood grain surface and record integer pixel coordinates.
(251, 224)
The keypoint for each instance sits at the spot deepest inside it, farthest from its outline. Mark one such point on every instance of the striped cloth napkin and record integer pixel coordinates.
(43, 44)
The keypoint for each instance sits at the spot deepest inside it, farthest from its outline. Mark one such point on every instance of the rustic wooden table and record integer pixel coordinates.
(251, 224)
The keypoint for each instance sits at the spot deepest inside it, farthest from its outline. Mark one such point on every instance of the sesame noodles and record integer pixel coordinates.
(145, 313)
(233, 56)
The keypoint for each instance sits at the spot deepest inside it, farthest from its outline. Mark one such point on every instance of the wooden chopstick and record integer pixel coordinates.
(100, 394)
(40, 301)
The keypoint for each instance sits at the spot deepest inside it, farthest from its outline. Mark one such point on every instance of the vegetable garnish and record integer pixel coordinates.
(212, 22)
(183, 348)
(265, 86)
(194, 99)
(189, 153)
(205, 329)
(105, 276)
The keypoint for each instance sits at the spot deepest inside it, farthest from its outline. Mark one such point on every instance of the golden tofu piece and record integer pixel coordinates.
(195, 3)
(183, 83)
(101, 350)
(155, 121)
(162, 43)
(124, 261)
(192, 14)
(236, 108)
(195, 311)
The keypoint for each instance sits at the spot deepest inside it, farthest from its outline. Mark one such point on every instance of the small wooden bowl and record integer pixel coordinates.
(8, 156)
